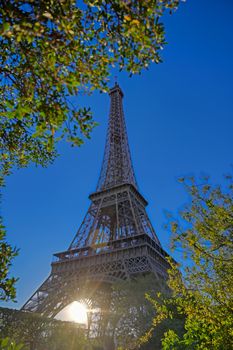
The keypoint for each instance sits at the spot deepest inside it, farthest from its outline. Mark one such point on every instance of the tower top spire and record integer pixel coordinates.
(114, 89)
(117, 168)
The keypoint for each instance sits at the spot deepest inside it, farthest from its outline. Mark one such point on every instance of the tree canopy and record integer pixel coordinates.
(7, 253)
(51, 51)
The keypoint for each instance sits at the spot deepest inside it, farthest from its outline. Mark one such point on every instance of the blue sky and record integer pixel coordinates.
(179, 121)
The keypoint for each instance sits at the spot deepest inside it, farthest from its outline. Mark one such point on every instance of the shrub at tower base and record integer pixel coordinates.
(203, 293)
(131, 313)
(38, 333)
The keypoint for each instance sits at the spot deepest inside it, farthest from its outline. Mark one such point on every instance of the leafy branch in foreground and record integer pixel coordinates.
(7, 253)
(7, 344)
(51, 52)
(203, 294)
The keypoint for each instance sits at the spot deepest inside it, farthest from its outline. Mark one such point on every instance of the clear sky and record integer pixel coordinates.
(179, 121)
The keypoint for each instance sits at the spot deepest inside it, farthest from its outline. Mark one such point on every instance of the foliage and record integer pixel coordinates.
(7, 253)
(131, 313)
(204, 233)
(7, 344)
(53, 50)
(40, 333)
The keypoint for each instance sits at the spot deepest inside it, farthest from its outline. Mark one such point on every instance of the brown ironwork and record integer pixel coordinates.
(116, 239)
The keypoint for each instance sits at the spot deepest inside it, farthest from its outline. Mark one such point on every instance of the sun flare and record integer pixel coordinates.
(74, 312)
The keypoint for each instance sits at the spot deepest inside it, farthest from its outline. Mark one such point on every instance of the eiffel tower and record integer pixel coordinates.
(116, 240)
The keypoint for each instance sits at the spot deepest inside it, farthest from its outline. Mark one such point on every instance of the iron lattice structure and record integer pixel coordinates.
(115, 240)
